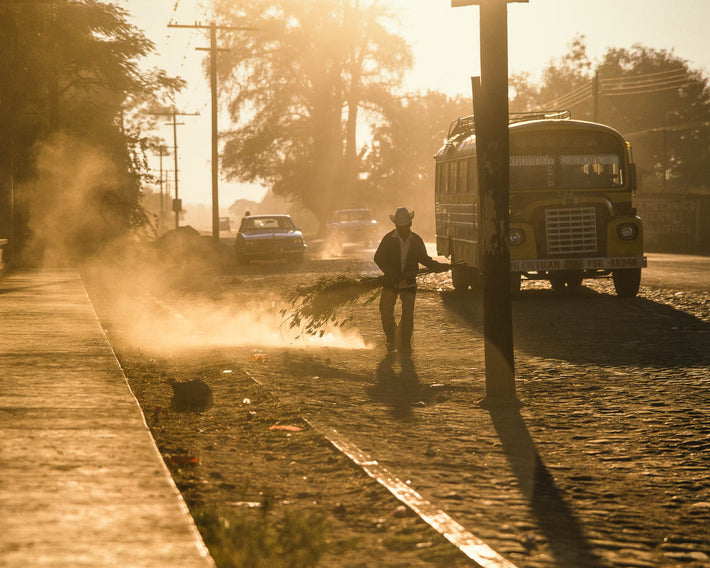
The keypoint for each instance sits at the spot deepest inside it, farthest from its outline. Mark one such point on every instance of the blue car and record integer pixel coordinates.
(269, 237)
(353, 226)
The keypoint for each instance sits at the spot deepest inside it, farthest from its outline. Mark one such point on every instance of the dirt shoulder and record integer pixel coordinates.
(604, 465)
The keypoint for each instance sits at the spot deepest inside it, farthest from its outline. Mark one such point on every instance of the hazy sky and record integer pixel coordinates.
(445, 44)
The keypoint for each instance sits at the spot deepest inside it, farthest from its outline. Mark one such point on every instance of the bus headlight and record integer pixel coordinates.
(516, 237)
(627, 231)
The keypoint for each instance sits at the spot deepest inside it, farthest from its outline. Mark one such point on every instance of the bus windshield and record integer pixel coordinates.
(565, 160)
(532, 172)
(590, 170)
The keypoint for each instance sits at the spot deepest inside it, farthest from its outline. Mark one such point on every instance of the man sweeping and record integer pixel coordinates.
(399, 255)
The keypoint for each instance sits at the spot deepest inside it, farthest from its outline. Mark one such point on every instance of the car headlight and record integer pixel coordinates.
(516, 237)
(627, 231)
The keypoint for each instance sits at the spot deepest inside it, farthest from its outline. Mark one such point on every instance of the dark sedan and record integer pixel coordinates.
(269, 237)
(353, 226)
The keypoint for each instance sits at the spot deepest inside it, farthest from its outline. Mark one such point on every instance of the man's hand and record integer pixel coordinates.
(441, 266)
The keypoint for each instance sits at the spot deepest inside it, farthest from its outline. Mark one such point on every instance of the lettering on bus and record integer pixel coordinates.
(623, 263)
(530, 265)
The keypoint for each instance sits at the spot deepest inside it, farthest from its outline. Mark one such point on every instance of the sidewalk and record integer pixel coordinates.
(81, 481)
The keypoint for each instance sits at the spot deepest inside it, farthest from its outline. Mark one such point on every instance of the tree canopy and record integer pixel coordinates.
(654, 98)
(399, 163)
(297, 86)
(72, 76)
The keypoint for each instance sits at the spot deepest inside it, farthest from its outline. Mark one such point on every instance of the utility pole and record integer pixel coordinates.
(213, 49)
(162, 149)
(595, 96)
(490, 102)
(177, 203)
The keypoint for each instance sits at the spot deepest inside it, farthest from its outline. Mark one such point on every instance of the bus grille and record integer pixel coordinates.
(571, 231)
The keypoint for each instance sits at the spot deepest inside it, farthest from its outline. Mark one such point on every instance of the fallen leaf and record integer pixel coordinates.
(287, 427)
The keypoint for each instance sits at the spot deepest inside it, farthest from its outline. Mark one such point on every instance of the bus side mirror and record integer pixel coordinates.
(632, 178)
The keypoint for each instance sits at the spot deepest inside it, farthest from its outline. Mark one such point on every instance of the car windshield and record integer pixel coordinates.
(354, 215)
(267, 224)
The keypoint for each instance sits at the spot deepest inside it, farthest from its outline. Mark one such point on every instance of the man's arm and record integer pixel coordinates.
(429, 262)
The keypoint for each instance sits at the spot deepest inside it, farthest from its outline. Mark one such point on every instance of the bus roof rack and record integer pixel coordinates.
(514, 117)
(466, 125)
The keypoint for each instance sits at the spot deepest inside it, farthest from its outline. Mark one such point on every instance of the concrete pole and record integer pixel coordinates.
(492, 147)
(176, 206)
(215, 136)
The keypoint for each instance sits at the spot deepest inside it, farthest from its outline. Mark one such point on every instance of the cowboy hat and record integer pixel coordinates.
(402, 217)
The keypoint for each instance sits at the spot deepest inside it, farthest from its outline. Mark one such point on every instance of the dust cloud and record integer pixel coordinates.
(165, 307)
(329, 249)
(198, 324)
(170, 292)
(72, 202)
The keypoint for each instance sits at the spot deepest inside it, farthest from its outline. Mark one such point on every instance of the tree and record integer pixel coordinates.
(74, 76)
(663, 108)
(399, 163)
(297, 87)
(651, 96)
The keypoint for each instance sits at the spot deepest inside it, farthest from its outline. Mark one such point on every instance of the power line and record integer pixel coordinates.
(621, 86)
(177, 204)
(583, 91)
(213, 49)
(646, 90)
(646, 75)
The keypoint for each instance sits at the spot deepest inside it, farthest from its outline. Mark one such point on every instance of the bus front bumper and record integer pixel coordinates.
(596, 263)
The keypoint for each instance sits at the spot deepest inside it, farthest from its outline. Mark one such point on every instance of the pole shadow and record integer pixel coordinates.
(591, 328)
(559, 525)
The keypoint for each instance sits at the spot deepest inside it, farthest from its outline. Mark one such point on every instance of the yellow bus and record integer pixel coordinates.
(571, 212)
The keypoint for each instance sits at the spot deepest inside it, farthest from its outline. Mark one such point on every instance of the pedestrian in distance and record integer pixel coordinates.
(399, 255)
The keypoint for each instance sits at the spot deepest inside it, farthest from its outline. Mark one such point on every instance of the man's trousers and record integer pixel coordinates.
(404, 330)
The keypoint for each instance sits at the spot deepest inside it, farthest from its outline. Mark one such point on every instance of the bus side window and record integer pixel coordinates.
(461, 185)
(452, 176)
(472, 181)
(443, 177)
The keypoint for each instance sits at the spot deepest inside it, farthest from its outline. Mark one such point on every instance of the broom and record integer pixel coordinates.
(317, 305)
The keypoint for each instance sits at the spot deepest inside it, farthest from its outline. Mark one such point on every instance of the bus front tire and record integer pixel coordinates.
(460, 278)
(626, 282)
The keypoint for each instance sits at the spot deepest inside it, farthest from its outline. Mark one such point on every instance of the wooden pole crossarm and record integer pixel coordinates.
(213, 49)
(220, 28)
(459, 3)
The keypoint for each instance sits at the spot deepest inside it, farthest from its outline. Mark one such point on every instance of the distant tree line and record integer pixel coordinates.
(315, 94)
(71, 156)
(654, 98)
(318, 113)
(316, 76)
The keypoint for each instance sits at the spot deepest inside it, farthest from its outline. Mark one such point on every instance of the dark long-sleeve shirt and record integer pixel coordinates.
(389, 259)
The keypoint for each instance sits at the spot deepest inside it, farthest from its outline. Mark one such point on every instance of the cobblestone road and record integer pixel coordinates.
(607, 463)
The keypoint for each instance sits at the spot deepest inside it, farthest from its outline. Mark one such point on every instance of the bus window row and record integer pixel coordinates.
(530, 172)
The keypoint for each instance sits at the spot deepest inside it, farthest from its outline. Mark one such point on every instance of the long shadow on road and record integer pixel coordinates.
(588, 327)
(557, 522)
